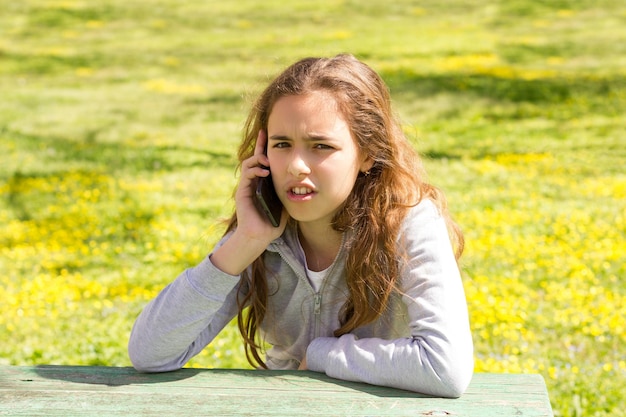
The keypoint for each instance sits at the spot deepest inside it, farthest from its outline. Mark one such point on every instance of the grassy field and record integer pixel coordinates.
(119, 120)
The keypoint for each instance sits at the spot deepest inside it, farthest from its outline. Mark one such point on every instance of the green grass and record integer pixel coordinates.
(118, 126)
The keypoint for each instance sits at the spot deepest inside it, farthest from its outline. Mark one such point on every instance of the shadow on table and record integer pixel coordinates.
(275, 380)
(110, 376)
(309, 380)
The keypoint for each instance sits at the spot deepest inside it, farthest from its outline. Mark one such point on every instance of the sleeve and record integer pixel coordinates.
(437, 359)
(184, 318)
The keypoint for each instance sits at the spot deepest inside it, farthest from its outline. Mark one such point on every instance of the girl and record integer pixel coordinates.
(360, 278)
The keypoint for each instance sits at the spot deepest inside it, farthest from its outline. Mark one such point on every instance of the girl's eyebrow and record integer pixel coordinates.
(278, 137)
(310, 138)
(317, 138)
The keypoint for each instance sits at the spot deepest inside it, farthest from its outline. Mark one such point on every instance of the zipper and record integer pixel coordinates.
(317, 303)
(317, 313)
(317, 296)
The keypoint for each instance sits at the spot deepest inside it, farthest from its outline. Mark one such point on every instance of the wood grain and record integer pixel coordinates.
(106, 391)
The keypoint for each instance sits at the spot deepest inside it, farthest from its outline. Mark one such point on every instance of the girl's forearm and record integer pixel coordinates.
(183, 318)
(237, 253)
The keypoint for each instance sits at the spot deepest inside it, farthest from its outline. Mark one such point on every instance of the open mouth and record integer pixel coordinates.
(301, 191)
(301, 194)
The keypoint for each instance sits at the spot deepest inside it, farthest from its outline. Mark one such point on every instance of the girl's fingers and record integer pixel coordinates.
(255, 171)
(261, 143)
(256, 165)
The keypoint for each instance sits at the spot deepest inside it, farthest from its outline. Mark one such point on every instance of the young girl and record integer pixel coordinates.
(359, 280)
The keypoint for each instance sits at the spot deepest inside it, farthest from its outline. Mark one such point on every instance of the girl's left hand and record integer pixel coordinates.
(303, 366)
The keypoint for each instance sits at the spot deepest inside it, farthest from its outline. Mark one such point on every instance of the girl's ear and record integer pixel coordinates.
(366, 165)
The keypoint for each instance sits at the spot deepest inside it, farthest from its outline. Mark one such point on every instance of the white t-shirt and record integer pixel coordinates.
(316, 278)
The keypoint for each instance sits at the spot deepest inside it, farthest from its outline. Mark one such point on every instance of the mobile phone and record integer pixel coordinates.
(268, 200)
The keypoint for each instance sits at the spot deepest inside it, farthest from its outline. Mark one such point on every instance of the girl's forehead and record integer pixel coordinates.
(309, 116)
(317, 101)
(311, 105)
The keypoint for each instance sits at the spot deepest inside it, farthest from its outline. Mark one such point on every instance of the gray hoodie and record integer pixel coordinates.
(421, 343)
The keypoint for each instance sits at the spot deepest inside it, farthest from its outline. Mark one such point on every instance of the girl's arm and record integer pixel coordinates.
(191, 311)
(188, 314)
(183, 318)
(438, 357)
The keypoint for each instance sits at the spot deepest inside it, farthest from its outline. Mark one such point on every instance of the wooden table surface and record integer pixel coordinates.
(107, 391)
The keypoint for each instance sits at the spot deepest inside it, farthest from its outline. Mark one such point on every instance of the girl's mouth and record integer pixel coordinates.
(301, 194)
(301, 191)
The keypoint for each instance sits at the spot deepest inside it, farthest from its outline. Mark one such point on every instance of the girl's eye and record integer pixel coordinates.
(280, 145)
(322, 146)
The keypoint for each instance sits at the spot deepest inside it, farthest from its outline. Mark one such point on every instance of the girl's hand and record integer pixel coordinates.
(254, 231)
(303, 366)
(250, 221)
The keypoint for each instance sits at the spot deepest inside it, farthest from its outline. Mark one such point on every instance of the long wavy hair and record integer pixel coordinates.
(373, 212)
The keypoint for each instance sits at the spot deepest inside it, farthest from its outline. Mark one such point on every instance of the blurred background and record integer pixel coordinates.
(119, 122)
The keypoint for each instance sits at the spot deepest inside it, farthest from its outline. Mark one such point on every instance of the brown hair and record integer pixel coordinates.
(378, 203)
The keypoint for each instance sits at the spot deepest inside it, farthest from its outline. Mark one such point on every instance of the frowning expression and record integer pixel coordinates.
(313, 157)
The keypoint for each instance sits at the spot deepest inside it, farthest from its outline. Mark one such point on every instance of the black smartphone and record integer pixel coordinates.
(268, 200)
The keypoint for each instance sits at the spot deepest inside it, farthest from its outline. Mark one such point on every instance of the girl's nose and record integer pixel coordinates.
(298, 166)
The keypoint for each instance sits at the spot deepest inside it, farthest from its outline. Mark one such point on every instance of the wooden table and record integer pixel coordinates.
(105, 391)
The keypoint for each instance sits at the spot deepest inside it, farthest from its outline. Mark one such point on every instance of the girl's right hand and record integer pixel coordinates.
(250, 221)
(254, 231)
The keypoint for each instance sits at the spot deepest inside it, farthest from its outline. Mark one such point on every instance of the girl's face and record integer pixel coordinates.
(313, 158)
